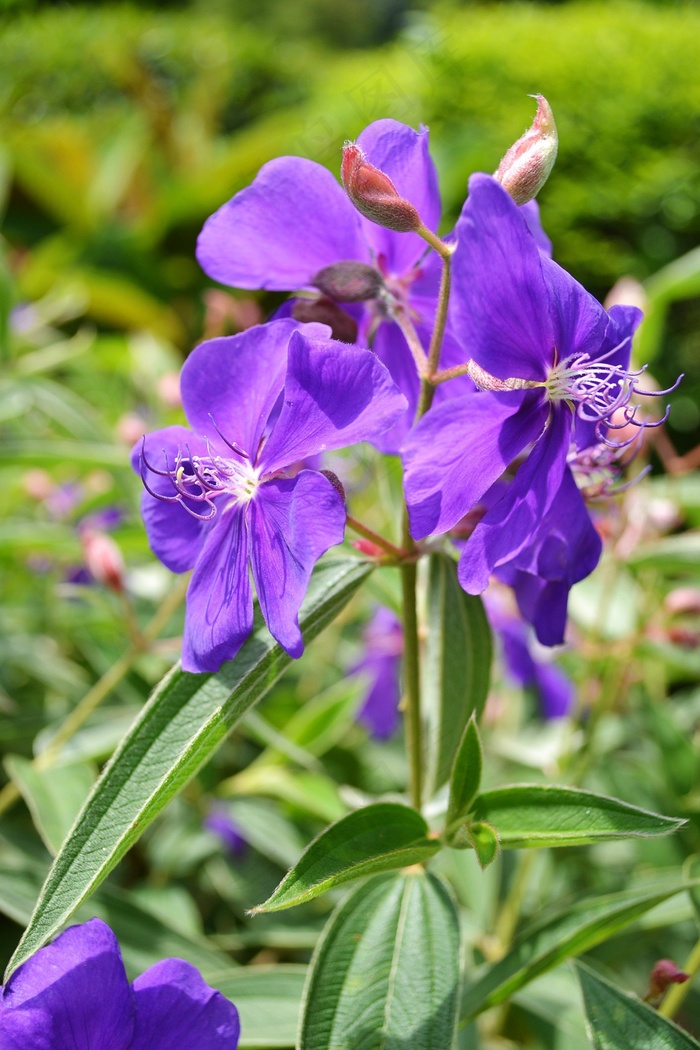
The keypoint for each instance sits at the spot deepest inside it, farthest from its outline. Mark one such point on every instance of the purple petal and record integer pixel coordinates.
(381, 663)
(554, 690)
(235, 381)
(380, 710)
(293, 521)
(334, 395)
(176, 1010)
(402, 154)
(578, 320)
(531, 214)
(221, 824)
(280, 231)
(72, 995)
(459, 449)
(512, 523)
(543, 603)
(219, 608)
(566, 545)
(174, 535)
(392, 350)
(500, 302)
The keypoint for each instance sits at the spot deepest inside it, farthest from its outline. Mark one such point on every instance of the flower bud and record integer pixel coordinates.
(324, 311)
(527, 164)
(349, 282)
(103, 559)
(665, 972)
(374, 194)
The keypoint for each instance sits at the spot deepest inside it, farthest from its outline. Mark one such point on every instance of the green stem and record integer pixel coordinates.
(427, 390)
(444, 250)
(411, 671)
(675, 995)
(414, 344)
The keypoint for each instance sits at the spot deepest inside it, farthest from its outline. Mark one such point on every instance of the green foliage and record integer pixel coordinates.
(377, 838)
(571, 931)
(377, 974)
(532, 815)
(621, 1022)
(456, 667)
(185, 720)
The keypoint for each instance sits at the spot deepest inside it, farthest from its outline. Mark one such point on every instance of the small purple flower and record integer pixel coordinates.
(74, 995)
(222, 824)
(381, 662)
(218, 498)
(554, 691)
(552, 366)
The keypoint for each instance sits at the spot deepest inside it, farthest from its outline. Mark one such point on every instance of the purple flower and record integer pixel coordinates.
(553, 370)
(381, 662)
(74, 995)
(221, 824)
(295, 220)
(554, 691)
(218, 500)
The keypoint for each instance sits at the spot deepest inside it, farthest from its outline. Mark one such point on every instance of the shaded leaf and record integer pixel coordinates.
(456, 666)
(386, 971)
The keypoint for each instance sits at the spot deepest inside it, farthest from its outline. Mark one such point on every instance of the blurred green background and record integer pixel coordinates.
(123, 127)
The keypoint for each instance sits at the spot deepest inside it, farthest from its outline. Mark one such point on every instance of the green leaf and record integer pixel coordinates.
(144, 938)
(456, 666)
(386, 970)
(54, 796)
(574, 929)
(527, 815)
(377, 838)
(485, 842)
(268, 1000)
(618, 1021)
(180, 727)
(466, 774)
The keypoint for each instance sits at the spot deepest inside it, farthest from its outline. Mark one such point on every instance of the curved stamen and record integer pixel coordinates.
(202, 479)
(231, 444)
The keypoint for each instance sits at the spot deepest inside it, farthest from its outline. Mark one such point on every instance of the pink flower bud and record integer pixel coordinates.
(527, 164)
(374, 194)
(665, 972)
(103, 559)
(368, 548)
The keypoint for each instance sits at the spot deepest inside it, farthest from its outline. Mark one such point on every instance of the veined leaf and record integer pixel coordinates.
(180, 727)
(618, 1021)
(575, 929)
(526, 815)
(456, 666)
(377, 838)
(386, 970)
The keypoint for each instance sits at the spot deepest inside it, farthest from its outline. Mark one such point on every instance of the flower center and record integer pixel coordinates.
(200, 480)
